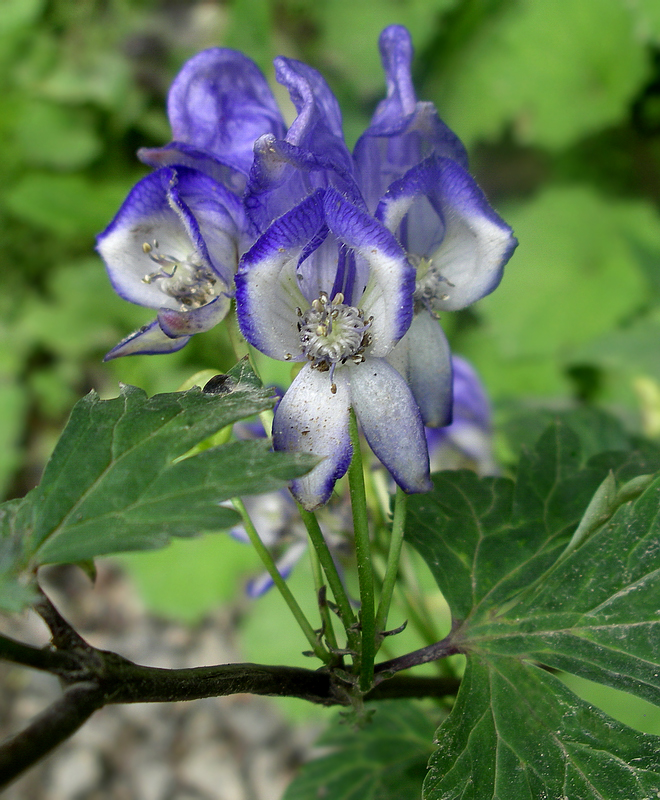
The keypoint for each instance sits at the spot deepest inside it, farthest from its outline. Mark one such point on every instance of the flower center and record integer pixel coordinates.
(430, 285)
(331, 333)
(189, 282)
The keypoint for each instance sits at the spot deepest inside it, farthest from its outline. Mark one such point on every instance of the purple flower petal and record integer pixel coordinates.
(259, 586)
(149, 340)
(283, 175)
(267, 287)
(391, 422)
(179, 154)
(313, 155)
(402, 131)
(389, 290)
(470, 434)
(469, 246)
(318, 126)
(221, 102)
(312, 419)
(423, 358)
(197, 320)
(155, 248)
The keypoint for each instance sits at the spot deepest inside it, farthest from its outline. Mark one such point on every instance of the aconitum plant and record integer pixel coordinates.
(340, 265)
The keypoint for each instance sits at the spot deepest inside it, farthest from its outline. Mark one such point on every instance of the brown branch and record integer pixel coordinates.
(47, 730)
(95, 678)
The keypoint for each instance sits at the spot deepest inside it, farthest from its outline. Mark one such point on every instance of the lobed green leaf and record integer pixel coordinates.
(118, 479)
(517, 732)
(383, 760)
(523, 588)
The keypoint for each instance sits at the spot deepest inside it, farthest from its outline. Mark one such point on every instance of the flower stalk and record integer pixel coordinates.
(280, 583)
(363, 556)
(393, 556)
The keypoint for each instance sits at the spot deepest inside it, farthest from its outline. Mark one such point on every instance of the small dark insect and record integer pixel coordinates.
(220, 384)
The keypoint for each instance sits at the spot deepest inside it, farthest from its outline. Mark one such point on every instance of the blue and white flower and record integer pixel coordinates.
(175, 243)
(328, 286)
(218, 105)
(413, 171)
(174, 246)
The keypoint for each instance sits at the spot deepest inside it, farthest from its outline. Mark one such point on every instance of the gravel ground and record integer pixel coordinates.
(230, 748)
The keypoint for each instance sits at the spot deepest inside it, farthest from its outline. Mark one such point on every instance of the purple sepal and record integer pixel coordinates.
(313, 155)
(441, 215)
(179, 154)
(148, 340)
(284, 174)
(391, 422)
(220, 102)
(423, 358)
(197, 320)
(312, 419)
(402, 131)
(318, 126)
(470, 433)
(175, 215)
(267, 284)
(387, 295)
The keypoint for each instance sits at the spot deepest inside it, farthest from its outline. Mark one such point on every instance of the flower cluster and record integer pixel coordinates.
(339, 261)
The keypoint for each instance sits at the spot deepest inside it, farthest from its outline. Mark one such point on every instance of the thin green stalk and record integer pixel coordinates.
(319, 584)
(279, 581)
(242, 349)
(393, 556)
(363, 555)
(320, 545)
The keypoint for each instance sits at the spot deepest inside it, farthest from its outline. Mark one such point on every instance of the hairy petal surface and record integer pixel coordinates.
(391, 422)
(312, 419)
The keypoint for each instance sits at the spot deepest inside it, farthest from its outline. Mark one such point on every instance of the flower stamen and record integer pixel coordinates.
(429, 285)
(187, 280)
(331, 333)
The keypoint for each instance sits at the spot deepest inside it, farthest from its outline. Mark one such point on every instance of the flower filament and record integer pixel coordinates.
(332, 333)
(189, 282)
(430, 284)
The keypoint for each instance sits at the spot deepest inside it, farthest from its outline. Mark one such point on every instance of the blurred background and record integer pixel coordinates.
(559, 106)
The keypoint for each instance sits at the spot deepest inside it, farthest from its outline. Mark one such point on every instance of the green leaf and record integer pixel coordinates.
(516, 732)
(53, 136)
(116, 480)
(67, 205)
(546, 72)
(632, 350)
(498, 550)
(383, 760)
(17, 14)
(562, 289)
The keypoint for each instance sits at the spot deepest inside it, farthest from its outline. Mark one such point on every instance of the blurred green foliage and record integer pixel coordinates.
(558, 103)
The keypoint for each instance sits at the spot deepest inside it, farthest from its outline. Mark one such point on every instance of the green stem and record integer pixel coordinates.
(320, 545)
(363, 555)
(241, 349)
(279, 581)
(393, 556)
(328, 630)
